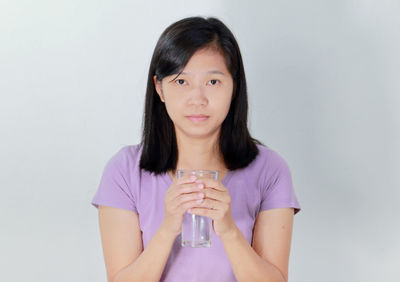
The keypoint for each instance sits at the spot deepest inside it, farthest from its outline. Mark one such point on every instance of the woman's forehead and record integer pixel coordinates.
(206, 62)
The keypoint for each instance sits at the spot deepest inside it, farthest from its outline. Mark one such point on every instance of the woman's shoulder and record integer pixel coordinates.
(132, 151)
(268, 155)
(127, 155)
(267, 160)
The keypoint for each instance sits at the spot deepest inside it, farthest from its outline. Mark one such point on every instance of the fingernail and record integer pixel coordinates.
(200, 186)
(199, 201)
(198, 181)
(192, 177)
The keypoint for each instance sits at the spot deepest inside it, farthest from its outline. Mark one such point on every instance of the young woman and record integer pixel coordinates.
(195, 117)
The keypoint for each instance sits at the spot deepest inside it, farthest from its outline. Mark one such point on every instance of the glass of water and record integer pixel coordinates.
(196, 229)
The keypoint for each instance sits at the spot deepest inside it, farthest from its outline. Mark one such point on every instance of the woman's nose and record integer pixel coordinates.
(198, 96)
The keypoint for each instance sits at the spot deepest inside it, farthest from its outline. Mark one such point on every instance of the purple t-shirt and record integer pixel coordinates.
(264, 184)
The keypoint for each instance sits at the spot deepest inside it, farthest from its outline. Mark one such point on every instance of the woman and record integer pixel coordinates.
(196, 118)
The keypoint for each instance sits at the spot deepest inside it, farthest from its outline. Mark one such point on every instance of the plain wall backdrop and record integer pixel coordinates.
(323, 86)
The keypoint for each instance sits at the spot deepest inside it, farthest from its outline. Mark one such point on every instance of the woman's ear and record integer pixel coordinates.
(158, 86)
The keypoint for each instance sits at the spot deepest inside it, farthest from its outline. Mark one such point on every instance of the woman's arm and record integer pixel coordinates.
(123, 251)
(268, 259)
(150, 265)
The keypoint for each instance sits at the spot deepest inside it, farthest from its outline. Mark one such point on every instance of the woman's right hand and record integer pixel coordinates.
(183, 194)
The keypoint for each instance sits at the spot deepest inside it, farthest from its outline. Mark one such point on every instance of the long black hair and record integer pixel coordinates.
(174, 48)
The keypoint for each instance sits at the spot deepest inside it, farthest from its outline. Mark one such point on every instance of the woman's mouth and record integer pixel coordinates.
(197, 118)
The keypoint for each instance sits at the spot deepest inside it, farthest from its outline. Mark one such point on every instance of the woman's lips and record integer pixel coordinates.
(198, 118)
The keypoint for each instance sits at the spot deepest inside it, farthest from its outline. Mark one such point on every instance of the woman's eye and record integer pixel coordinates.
(180, 81)
(214, 81)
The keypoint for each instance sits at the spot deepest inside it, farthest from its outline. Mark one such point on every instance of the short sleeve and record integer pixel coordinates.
(114, 190)
(278, 191)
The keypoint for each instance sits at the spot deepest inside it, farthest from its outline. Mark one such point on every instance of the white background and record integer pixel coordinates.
(323, 86)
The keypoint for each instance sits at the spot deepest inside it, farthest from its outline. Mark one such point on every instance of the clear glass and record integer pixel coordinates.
(196, 229)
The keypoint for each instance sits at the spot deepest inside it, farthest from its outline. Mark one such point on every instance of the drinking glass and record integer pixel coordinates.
(196, 229)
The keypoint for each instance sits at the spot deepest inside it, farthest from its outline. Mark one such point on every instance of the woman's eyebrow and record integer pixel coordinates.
(211, 71)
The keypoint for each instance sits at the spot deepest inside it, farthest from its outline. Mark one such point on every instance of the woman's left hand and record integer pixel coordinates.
(216, 205)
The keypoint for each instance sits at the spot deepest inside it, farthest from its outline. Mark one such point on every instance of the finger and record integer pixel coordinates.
(185, 179)
(188, 197)
(182, 199)
(172, 193)
(212, 183)
(189, 205)
(212, 204)
(186, 188)
(204, 212)
(216, 195)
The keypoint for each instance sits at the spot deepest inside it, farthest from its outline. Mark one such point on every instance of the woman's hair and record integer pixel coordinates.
(174, 48)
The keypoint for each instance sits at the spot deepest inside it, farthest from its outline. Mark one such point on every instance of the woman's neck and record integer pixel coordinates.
(200, 157)
(199, 153)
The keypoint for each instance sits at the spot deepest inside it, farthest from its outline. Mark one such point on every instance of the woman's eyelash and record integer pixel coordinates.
(215, 80)
(176, 81)
(180, 79)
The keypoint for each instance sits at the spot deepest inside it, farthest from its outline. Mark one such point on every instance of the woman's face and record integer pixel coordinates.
(203, 88)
